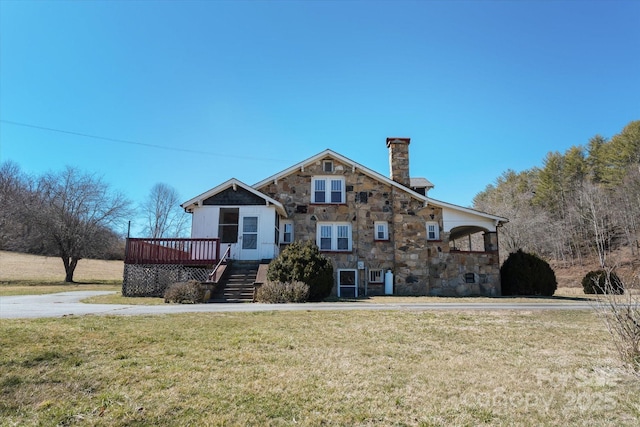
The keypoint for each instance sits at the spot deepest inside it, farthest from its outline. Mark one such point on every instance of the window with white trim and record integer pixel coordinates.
(376, 275)
(381, 230)
(286, 232)
(334, 236)
(328, 189)
(433, 231)
(327, 166)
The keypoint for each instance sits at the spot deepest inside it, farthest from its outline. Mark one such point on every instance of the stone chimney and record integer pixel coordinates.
(399, 160)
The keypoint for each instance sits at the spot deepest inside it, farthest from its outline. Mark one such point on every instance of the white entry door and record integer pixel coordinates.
(248, 237)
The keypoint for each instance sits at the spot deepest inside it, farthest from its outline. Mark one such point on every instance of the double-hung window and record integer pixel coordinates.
(334, 236)
(286, 232)
(381, 229)
(325, 189)
(433, 231)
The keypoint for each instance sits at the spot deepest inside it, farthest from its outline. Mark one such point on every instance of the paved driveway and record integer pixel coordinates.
(68, 303)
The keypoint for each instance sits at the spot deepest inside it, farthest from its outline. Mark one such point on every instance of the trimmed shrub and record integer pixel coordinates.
(527, 274)
(596, 282)
(303, 262)
(184, 293)
(280, 293)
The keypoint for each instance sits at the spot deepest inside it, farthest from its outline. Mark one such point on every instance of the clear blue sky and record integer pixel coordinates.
(245, 89)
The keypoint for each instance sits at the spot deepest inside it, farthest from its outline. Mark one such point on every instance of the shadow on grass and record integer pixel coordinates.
(542, 297)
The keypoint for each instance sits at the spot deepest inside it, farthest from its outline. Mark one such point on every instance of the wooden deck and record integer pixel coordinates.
(172, 251)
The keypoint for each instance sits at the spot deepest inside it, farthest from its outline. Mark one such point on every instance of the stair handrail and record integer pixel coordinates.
(215, 270)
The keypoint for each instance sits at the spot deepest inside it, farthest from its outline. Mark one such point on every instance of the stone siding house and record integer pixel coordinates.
(383, 235)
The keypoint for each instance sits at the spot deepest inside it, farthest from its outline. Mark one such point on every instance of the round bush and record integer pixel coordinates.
(303, 262)
(527, 274)
(595, 282)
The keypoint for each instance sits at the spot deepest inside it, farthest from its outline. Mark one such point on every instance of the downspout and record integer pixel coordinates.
(498, 226)
(357, 239)
(394, 244)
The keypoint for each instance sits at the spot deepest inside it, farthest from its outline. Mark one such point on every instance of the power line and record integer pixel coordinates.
(142, 144)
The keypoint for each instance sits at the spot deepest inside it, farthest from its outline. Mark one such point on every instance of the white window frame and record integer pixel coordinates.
(436, 230)
(376, 275)
(381, 227)
(327, 189)
(283, 232)
(335, 233)
(327, 165)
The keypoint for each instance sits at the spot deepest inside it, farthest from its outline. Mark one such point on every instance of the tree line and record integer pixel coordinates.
(75, 215)
(580, 204)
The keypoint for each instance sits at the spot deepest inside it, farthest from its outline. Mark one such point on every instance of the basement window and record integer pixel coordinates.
(376, 275)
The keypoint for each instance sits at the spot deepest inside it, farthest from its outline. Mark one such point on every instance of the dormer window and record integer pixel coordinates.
(330, 190)
(327, 165)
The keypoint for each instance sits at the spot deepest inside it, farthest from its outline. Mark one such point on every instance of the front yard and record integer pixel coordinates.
(315, 368)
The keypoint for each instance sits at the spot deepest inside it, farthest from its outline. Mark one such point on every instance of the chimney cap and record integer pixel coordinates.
(396, 140)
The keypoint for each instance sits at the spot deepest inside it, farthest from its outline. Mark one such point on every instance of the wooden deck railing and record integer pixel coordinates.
(172, 251)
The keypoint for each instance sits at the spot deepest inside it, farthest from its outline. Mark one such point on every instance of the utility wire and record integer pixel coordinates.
(142, 144)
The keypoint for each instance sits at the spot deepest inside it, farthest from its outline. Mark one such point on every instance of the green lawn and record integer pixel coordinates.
(315, 368)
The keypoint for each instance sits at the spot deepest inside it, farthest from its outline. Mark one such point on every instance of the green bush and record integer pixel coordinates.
(280, 293)
(303, 262)
(527, 274)
(185, 293)
(595, 282)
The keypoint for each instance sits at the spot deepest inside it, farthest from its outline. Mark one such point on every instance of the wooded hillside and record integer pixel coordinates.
(581, 205)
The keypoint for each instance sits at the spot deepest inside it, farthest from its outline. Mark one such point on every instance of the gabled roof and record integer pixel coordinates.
(198, 200)
(342, 159)
(419, 182)
(375, 175)
(234, 183)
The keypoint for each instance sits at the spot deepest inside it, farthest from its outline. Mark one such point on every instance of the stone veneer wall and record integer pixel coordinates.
(420, 267)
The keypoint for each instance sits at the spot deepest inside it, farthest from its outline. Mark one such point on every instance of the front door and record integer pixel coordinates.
(248, 237)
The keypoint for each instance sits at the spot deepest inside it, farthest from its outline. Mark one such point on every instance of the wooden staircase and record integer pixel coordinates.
(238, 283)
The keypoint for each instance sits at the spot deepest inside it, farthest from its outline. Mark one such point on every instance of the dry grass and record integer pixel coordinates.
(16, 267)
(117, 298)
(8, 289)
(315, 368)
(23, 274)
(563, 295)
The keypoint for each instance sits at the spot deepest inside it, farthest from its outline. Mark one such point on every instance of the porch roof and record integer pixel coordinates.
(233, 183)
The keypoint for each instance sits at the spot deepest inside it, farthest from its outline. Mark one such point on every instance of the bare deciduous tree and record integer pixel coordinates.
(75, 214)
(163, 214)
(15, 193)
(621, 315)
